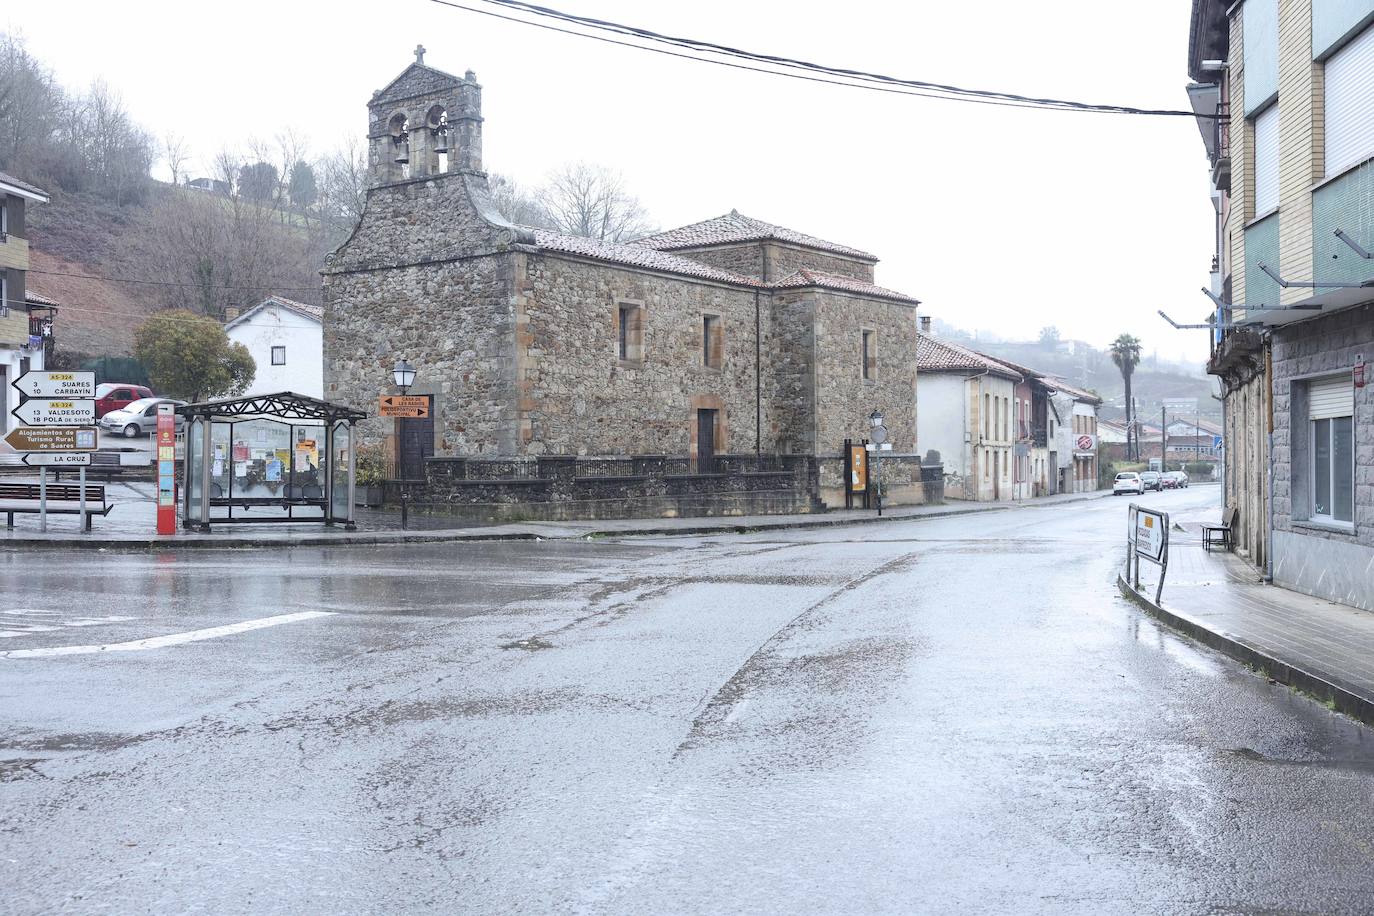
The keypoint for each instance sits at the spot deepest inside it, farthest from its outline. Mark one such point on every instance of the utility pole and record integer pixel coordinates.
(1163, 438)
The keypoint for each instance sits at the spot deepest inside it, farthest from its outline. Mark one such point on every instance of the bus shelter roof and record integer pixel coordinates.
(283, 405)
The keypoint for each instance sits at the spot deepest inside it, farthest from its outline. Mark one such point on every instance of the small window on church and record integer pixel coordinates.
(629, 326)
(870, 355)
(711, 341)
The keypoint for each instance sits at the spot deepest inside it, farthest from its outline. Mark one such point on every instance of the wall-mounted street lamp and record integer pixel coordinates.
(404, 374)
(875, 419)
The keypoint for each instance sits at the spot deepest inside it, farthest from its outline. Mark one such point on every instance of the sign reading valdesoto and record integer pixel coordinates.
(55, 412)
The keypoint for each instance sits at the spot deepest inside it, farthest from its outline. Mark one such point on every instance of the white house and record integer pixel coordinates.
(1077, 436)
(286, 339)
(965, 413)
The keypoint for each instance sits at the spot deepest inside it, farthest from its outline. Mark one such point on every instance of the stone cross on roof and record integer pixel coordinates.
(419, 54)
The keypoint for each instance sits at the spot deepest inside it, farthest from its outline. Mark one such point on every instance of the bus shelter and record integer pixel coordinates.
(268, 458)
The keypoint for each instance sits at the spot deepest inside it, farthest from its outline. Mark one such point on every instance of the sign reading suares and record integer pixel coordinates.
(68, 385)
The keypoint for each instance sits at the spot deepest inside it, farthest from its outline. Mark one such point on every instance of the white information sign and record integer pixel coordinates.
(38, 384)
(1149, 534)
(55, 412)
(57, 459)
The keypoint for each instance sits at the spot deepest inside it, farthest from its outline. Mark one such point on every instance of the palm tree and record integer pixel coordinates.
(1126, 354)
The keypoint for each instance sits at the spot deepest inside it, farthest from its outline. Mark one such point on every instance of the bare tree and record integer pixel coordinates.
(176, 153)
(31, 107)
(593, 201)
(515, 203)
(342, 176)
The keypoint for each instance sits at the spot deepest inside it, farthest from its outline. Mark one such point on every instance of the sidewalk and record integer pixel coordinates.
(1319, 647)
(132, 522)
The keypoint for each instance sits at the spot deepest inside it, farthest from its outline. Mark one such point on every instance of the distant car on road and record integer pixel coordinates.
(1128, 482)
(1175, 480)
(117, 395)
(139, 417)
(1150, 480)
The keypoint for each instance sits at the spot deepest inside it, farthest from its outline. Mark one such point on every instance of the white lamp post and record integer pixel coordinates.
(404, 375)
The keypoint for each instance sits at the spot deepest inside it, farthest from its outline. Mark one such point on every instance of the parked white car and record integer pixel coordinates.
(1128, 482)
(139, 418)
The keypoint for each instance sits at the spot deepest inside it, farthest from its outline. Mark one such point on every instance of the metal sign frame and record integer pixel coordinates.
(1134, 553)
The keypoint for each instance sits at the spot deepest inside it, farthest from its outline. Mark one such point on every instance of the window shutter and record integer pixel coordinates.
(1267, 160)
(1330, 397)
(1350, 103)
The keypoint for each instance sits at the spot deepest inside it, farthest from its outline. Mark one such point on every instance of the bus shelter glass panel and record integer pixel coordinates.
(220, 464)
(194, 476)
(342, 461)
(307, 481)
(261, 458)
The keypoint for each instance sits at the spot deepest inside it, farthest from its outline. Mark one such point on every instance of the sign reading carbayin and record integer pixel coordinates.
(1149, 534)
(70, 385)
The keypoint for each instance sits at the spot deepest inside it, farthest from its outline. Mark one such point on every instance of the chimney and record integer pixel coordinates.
(925, 325)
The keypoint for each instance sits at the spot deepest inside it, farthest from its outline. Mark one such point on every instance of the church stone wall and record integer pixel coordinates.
(785, 260)
(578, 397)
(424, 277)
(844, 396)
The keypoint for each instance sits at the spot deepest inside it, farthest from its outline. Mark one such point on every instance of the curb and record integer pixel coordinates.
(1324, 688)
(436, 536)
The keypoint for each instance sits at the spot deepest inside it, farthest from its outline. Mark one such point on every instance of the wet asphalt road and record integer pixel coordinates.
(945, 716)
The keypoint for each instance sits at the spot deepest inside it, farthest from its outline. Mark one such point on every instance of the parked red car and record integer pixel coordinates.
(116, 395)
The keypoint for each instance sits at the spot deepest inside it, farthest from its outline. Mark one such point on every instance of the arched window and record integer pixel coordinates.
(436, 122)
(399, 128)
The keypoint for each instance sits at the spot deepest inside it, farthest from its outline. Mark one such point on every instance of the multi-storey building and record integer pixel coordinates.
(25, 317)
(1284, 90)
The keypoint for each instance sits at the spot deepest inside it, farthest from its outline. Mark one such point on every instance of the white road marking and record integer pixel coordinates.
(19, 628)
(174, 639)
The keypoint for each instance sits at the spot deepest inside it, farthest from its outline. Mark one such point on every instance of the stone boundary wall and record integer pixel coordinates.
(907, 480)
(565, 488)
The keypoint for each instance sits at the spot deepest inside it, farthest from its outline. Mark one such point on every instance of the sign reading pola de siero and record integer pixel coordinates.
(57, 413)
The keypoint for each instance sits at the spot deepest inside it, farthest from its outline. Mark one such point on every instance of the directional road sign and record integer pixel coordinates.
(38, 384)
(1216, 442)
(52, 438)
(57, 459)
(54, 412)
(403, 405)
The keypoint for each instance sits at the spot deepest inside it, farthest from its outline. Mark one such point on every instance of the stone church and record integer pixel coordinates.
(727, 336)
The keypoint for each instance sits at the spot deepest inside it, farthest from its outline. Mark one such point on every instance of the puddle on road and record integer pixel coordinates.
(1346, 764)
(530, 644)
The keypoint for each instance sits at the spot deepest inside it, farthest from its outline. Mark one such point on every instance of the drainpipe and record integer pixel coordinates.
(972, 457)
(758, 385)
(1269, 405)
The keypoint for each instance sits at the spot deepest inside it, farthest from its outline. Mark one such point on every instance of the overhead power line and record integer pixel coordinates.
(280, 289)
(791, 68)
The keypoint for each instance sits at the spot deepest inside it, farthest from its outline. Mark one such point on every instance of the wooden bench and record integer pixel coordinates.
(62, 499)
(1212, 534)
